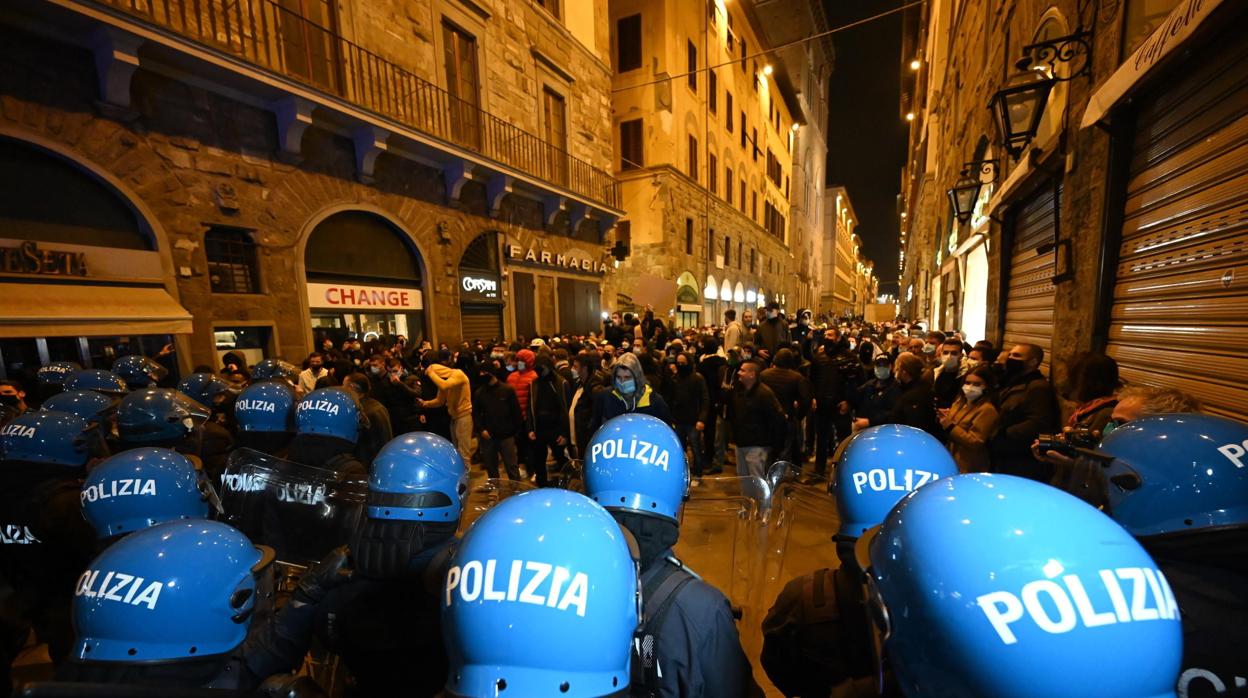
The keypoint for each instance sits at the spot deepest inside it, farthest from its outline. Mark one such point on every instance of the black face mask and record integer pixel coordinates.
(9, 400)
(830, 344)
(395, 549)
(1014, 367)
(684, 369)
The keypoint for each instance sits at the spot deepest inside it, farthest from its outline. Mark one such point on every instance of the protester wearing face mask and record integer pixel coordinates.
(876, 397)
(772, 333)
(1028, 408)
(690, 404)
(629, 393)
(914, 406)
(12, 400)
(947, 377)
(971, 421)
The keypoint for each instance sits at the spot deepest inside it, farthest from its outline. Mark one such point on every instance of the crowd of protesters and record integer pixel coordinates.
(772, 387)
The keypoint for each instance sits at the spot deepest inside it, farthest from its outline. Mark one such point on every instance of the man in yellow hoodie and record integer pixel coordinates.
(455, 392)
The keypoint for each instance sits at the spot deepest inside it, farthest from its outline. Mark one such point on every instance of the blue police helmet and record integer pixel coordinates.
(417, 477)
(266, 407)
(995, 585)
(142, 487)
(206, 389)
(546, 569)
(53, 438)
(95, 379)
(56, 372)
(636, 463)
(88, 404)
(328, 411)
(139, 371)
(880, 466)
(177, 590)
(275, 369)
(1178, 472)
(158, 414)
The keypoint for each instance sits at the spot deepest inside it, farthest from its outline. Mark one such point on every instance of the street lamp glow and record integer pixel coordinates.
(916, 64)
(767, 70)
(795, 127)
(909, 116)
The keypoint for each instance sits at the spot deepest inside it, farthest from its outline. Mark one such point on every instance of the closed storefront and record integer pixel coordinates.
(554, 292)
(1180, 302)
(480, 290)
(1030, 292)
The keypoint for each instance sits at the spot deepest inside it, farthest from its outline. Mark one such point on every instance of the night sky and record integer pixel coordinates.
(866, 136)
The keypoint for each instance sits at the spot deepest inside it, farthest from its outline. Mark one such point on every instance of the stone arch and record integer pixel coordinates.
(1052, 24)
(407, 237)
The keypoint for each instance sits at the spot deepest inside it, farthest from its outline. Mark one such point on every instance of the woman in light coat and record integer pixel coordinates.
(971, 421)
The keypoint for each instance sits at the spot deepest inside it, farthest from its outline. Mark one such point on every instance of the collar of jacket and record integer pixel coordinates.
(643, 401)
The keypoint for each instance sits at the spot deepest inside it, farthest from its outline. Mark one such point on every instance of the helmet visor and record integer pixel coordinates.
(191, 412)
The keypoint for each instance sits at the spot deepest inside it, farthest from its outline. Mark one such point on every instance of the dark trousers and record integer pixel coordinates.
(825, 419)
(535, 459)
(708, 436)
(691, 442)
(491, 449)
(793, 438)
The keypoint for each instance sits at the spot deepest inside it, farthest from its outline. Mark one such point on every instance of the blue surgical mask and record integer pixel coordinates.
(626, 387)
(883, 372)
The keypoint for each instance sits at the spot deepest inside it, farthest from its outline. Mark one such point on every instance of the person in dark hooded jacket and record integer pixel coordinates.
(546, 419)
(629, 393)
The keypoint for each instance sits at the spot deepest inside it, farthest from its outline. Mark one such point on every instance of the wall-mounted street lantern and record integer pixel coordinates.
(965, 193)
(1017, 109)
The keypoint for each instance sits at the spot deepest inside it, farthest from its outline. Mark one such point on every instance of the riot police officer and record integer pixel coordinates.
(275, 370)
(143, 487)
(327, 423)
(105, 382)
(51, 378)
(814, 635)
(168, 419)
(1179, 484)
(139, 371)
(541, 599)
(995, 585)
(44, 542)
(178, 605)
(384, 622)
(264, 415)
(99, 411)
(217, 396)
(636, 469)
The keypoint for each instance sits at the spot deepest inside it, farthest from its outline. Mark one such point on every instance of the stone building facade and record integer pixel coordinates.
(1107, 229)
(441, 121)
(705, 159)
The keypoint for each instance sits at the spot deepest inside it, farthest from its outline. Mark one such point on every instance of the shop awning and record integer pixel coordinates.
(1175, 31)
(67, 310)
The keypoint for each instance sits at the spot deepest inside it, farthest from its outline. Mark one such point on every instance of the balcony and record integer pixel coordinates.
(265, 35)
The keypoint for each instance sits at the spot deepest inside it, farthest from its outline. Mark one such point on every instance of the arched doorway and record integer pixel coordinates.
(480, 290)
(688, 301)
(364, 280)
(84, 276)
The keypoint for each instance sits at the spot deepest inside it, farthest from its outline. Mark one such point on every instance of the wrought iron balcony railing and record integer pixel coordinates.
(270, 36)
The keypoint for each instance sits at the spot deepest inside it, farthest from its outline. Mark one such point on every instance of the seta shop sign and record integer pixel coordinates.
(357, 297)
(549, 259)
(27, 258)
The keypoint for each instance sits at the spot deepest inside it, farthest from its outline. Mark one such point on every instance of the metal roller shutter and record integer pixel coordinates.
(1180, 313)
(484, 322)
(1029, 299)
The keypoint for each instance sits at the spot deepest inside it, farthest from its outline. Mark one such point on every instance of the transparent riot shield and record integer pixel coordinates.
(798, 539)
(300, 511)
(571, 477)
(484, 494)
(722, 540)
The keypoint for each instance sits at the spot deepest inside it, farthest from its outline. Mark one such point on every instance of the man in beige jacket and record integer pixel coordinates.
(455, 392)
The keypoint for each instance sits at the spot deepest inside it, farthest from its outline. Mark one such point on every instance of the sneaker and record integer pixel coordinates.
(695, 482)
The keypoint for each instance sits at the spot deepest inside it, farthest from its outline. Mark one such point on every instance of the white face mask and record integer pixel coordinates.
(951, 362)
(520, 365)
(972, 392)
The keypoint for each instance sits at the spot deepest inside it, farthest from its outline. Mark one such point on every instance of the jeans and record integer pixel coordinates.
(752, 461)
(461, 432)
(490, 451)
(825, 419)
(691, 440)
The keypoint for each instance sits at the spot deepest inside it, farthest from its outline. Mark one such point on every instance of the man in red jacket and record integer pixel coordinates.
(520, 380)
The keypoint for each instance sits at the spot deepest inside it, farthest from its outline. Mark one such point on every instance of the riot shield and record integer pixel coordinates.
(571, 477)
(482, 496)
(722, 539)
(798, 539)
(300, 511)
